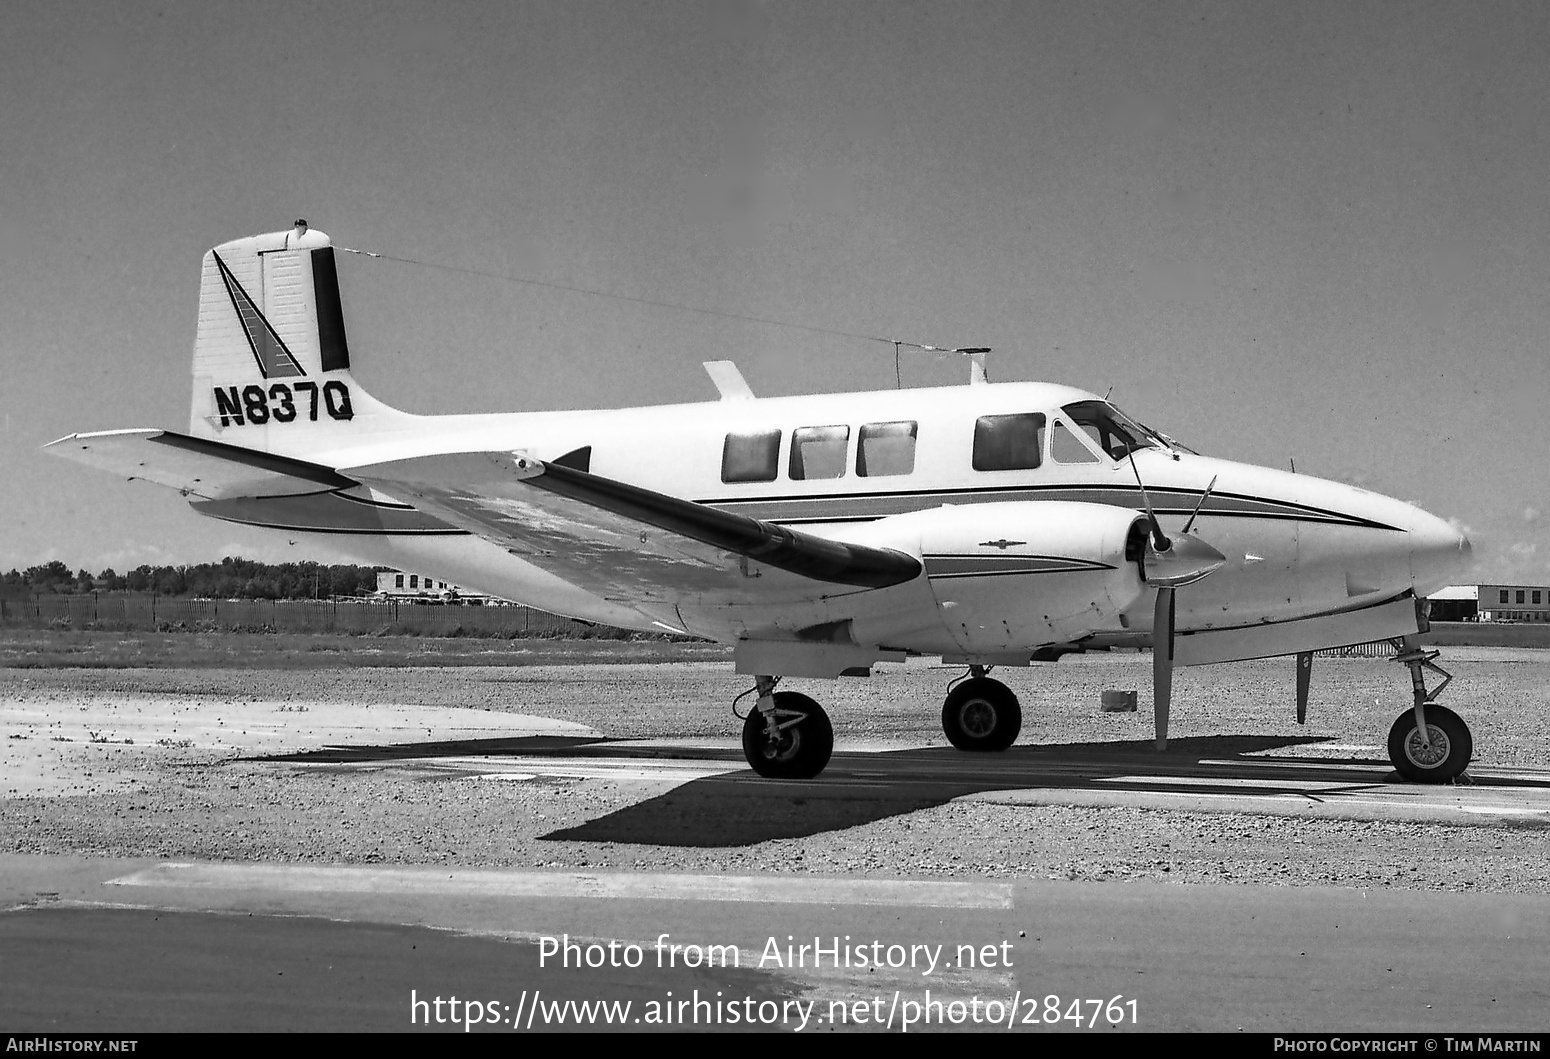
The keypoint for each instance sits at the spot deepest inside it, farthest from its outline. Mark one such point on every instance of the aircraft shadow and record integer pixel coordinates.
(742, 808)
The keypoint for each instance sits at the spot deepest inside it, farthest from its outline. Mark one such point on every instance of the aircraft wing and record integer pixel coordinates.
(210, 470)
(626, 543)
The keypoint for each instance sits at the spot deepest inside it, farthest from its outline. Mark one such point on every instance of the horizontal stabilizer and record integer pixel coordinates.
(210, 470)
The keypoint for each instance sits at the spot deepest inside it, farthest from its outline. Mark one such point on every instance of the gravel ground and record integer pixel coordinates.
(162, 799)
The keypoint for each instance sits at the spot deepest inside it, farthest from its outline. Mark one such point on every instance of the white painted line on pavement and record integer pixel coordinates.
(793, 889)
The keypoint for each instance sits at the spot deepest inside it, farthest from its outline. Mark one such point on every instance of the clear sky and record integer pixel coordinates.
(1278, 231)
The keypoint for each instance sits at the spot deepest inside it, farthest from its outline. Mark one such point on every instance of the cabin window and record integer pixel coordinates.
(886, 448)
(398, 580)
(414, 580)
(1520, 595)
(1503, 593)
(818, 452)
(753, 456)
(1065, 447)
(1008, 443)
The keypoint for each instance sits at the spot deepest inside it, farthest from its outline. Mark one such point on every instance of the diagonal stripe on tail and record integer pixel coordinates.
(274, 359)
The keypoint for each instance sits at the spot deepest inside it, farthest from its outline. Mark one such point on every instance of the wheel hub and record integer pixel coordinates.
(784, 746)
(1427, 755)
(977, 718)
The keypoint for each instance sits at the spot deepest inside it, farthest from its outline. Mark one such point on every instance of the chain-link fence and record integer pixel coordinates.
(146, 612)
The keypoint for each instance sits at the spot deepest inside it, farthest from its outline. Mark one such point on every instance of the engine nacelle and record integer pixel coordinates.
(1011, 577)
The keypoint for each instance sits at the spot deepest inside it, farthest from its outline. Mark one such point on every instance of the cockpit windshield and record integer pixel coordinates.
(1115, 432)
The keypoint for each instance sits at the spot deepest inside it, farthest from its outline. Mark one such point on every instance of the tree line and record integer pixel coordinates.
(231, 578)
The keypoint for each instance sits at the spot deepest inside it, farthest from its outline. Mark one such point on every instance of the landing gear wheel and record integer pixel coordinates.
(1448, 753)
(804, 745)
(981, 714)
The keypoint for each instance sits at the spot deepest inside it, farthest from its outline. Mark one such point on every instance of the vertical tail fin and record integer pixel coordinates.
(271, 356)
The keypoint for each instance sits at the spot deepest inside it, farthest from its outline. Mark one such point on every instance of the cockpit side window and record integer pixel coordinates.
(818, 452)
(1065, 448)
(1115, 433)
(885, 448)
(752, 456)
(1009, 442)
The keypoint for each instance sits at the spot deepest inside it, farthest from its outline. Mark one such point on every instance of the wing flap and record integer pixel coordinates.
(210, 470)
(625, 542)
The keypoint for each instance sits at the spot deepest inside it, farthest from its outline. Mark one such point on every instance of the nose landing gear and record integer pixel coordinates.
(1428, 743)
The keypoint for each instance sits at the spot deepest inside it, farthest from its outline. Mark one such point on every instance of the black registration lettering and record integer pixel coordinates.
(336, 395)
(312, 391)
(256, 405)
(252, 404)
(284, 411)
(228, 405)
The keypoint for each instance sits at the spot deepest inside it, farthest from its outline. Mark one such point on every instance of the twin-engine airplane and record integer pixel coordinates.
(992, 525)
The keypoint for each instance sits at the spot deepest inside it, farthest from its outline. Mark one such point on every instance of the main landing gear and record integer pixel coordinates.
(981, 713)
(788, 737)
(1428, 743)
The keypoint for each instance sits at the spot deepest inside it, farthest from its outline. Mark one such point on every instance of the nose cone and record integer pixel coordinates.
(1439, 554)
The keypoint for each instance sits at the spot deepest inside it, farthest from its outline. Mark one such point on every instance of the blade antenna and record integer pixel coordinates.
(1160, 539)
(1200, 505)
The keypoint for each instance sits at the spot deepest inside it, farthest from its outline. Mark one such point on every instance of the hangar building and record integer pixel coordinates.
(1507, 603)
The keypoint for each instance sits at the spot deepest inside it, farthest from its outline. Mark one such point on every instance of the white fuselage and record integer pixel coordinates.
(1296, 547)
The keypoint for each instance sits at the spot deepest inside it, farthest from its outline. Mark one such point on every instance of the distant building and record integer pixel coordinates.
(1513, 603)
(394, 584)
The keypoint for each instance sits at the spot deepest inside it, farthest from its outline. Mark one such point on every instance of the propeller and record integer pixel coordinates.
(1168, 564)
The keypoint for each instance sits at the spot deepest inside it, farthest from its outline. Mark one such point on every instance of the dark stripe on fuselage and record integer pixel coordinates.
(990, 565)
(865, 507)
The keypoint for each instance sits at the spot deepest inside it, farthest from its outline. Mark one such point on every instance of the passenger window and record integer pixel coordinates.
(1065, 448)
(818, 452)
(751, 457)
(885, 448)
(1008, 443)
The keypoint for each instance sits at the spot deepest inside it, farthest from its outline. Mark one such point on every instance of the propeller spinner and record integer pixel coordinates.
(1168, 564)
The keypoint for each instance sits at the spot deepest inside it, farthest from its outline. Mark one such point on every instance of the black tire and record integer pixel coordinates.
(803, 749)
(981, 714)
(1452, 746)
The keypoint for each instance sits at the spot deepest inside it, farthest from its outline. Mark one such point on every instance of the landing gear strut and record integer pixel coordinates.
(1428, 743)
(981, 713)
(788, 736)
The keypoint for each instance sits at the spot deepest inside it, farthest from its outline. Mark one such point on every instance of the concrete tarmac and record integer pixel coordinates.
(136, 946)
(98, 944)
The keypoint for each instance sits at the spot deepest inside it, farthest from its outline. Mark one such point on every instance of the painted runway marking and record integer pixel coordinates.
(580, 769)
(1282, 763)
(1235, 781)
(631, 886)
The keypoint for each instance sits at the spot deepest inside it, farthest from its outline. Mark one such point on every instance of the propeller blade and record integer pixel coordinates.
(1198, 506)
(1162, 663)
(1160, 539)
(1304, 674)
